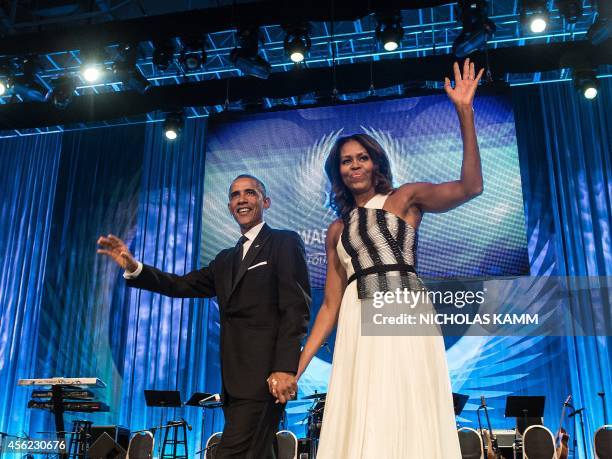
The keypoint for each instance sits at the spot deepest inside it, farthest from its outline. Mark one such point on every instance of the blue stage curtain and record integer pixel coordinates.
(83, 314)
(28, 172)
(65, 309)
(565, 145)
(167, 339)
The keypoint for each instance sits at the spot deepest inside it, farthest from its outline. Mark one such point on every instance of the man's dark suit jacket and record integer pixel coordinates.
(264, 311)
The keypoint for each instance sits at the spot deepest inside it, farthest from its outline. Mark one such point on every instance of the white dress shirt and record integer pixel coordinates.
(250, 234)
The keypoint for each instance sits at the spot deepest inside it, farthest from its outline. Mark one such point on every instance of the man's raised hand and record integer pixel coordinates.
(115, 248)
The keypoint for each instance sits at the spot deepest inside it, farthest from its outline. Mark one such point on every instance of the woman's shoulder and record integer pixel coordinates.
(334, 231)
(336, 226)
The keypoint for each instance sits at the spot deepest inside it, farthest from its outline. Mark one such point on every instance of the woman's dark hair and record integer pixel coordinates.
(341, 198)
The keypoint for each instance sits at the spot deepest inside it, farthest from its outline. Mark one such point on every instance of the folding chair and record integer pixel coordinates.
(602, 441)
(538, 443)
(470, 443)
(141, 446)
(287, 444)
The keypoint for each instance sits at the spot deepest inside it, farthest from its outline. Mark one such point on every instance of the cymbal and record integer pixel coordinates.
(315, 396)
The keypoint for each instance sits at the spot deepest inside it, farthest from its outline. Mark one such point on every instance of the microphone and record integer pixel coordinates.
(186, 423)
(483, 402)
(575, 413)
(216, 397)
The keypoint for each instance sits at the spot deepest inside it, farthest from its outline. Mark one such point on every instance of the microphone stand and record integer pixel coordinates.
(205, 450)
(206, 404)
(579, 412)
(603, 404)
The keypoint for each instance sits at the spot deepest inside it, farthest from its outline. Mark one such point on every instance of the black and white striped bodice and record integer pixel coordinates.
(382, 249)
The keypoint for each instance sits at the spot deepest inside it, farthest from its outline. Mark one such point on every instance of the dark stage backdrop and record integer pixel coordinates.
(65, 312)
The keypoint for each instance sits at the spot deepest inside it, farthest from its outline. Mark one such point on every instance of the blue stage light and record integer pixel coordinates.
(477, 27)
(601, 29)
(245, 56)
(297, 41)
(173, 125)
(534, 15)
(389, 31)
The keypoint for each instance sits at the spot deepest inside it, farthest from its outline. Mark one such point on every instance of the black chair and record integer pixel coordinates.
(522, 423)
(538, 443)
(603, 442)
(141, 446)
(287, 444)
(470, 443)
(211, 445)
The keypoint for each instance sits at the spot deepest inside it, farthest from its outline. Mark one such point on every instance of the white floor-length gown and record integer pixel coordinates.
(389, 397)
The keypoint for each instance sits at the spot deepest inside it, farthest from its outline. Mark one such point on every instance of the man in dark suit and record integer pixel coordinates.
(263, 292)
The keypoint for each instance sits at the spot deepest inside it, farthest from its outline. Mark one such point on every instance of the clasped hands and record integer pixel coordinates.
(283, 386)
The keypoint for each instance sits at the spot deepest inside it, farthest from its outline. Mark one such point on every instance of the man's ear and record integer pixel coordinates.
(229, 208)
(267, 202)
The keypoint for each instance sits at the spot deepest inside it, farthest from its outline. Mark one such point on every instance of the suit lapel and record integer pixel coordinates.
(258, 243)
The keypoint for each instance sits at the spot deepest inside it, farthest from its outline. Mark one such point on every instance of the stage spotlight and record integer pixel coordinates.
(91, 73)
(389, 31)
(534, 15)
(163, 54)
(126, 70)
(131, 76)
(92, 64)
(63, 91)
(297, 41)
(570, 9)
(585, 81)
(5, 81)
(193, 53)
(173, 125)
(26, 85)
(601, 29)
(538, 24)
(477, 27)
(245, 56)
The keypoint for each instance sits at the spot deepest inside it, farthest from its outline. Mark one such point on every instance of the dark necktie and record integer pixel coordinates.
(238, 256)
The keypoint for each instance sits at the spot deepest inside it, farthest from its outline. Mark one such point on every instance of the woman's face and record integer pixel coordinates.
(356, 167)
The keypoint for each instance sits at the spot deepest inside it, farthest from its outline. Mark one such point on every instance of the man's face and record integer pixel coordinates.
(247, 203)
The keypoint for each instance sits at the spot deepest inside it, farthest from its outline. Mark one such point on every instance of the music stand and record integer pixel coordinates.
(162, 399)
(459, 401)
(525, 407)
(204, 400)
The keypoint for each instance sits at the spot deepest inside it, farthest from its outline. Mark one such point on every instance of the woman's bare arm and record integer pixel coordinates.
(335, 283)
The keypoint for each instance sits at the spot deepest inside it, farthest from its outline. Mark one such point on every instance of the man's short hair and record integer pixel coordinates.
(260, 184)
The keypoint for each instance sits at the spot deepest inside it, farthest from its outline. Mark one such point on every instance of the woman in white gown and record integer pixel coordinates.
(389, 397)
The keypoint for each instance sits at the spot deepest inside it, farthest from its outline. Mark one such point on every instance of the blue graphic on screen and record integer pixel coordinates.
(421, 136)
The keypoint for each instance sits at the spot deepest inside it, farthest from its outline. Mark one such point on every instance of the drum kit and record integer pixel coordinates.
(314, 422)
